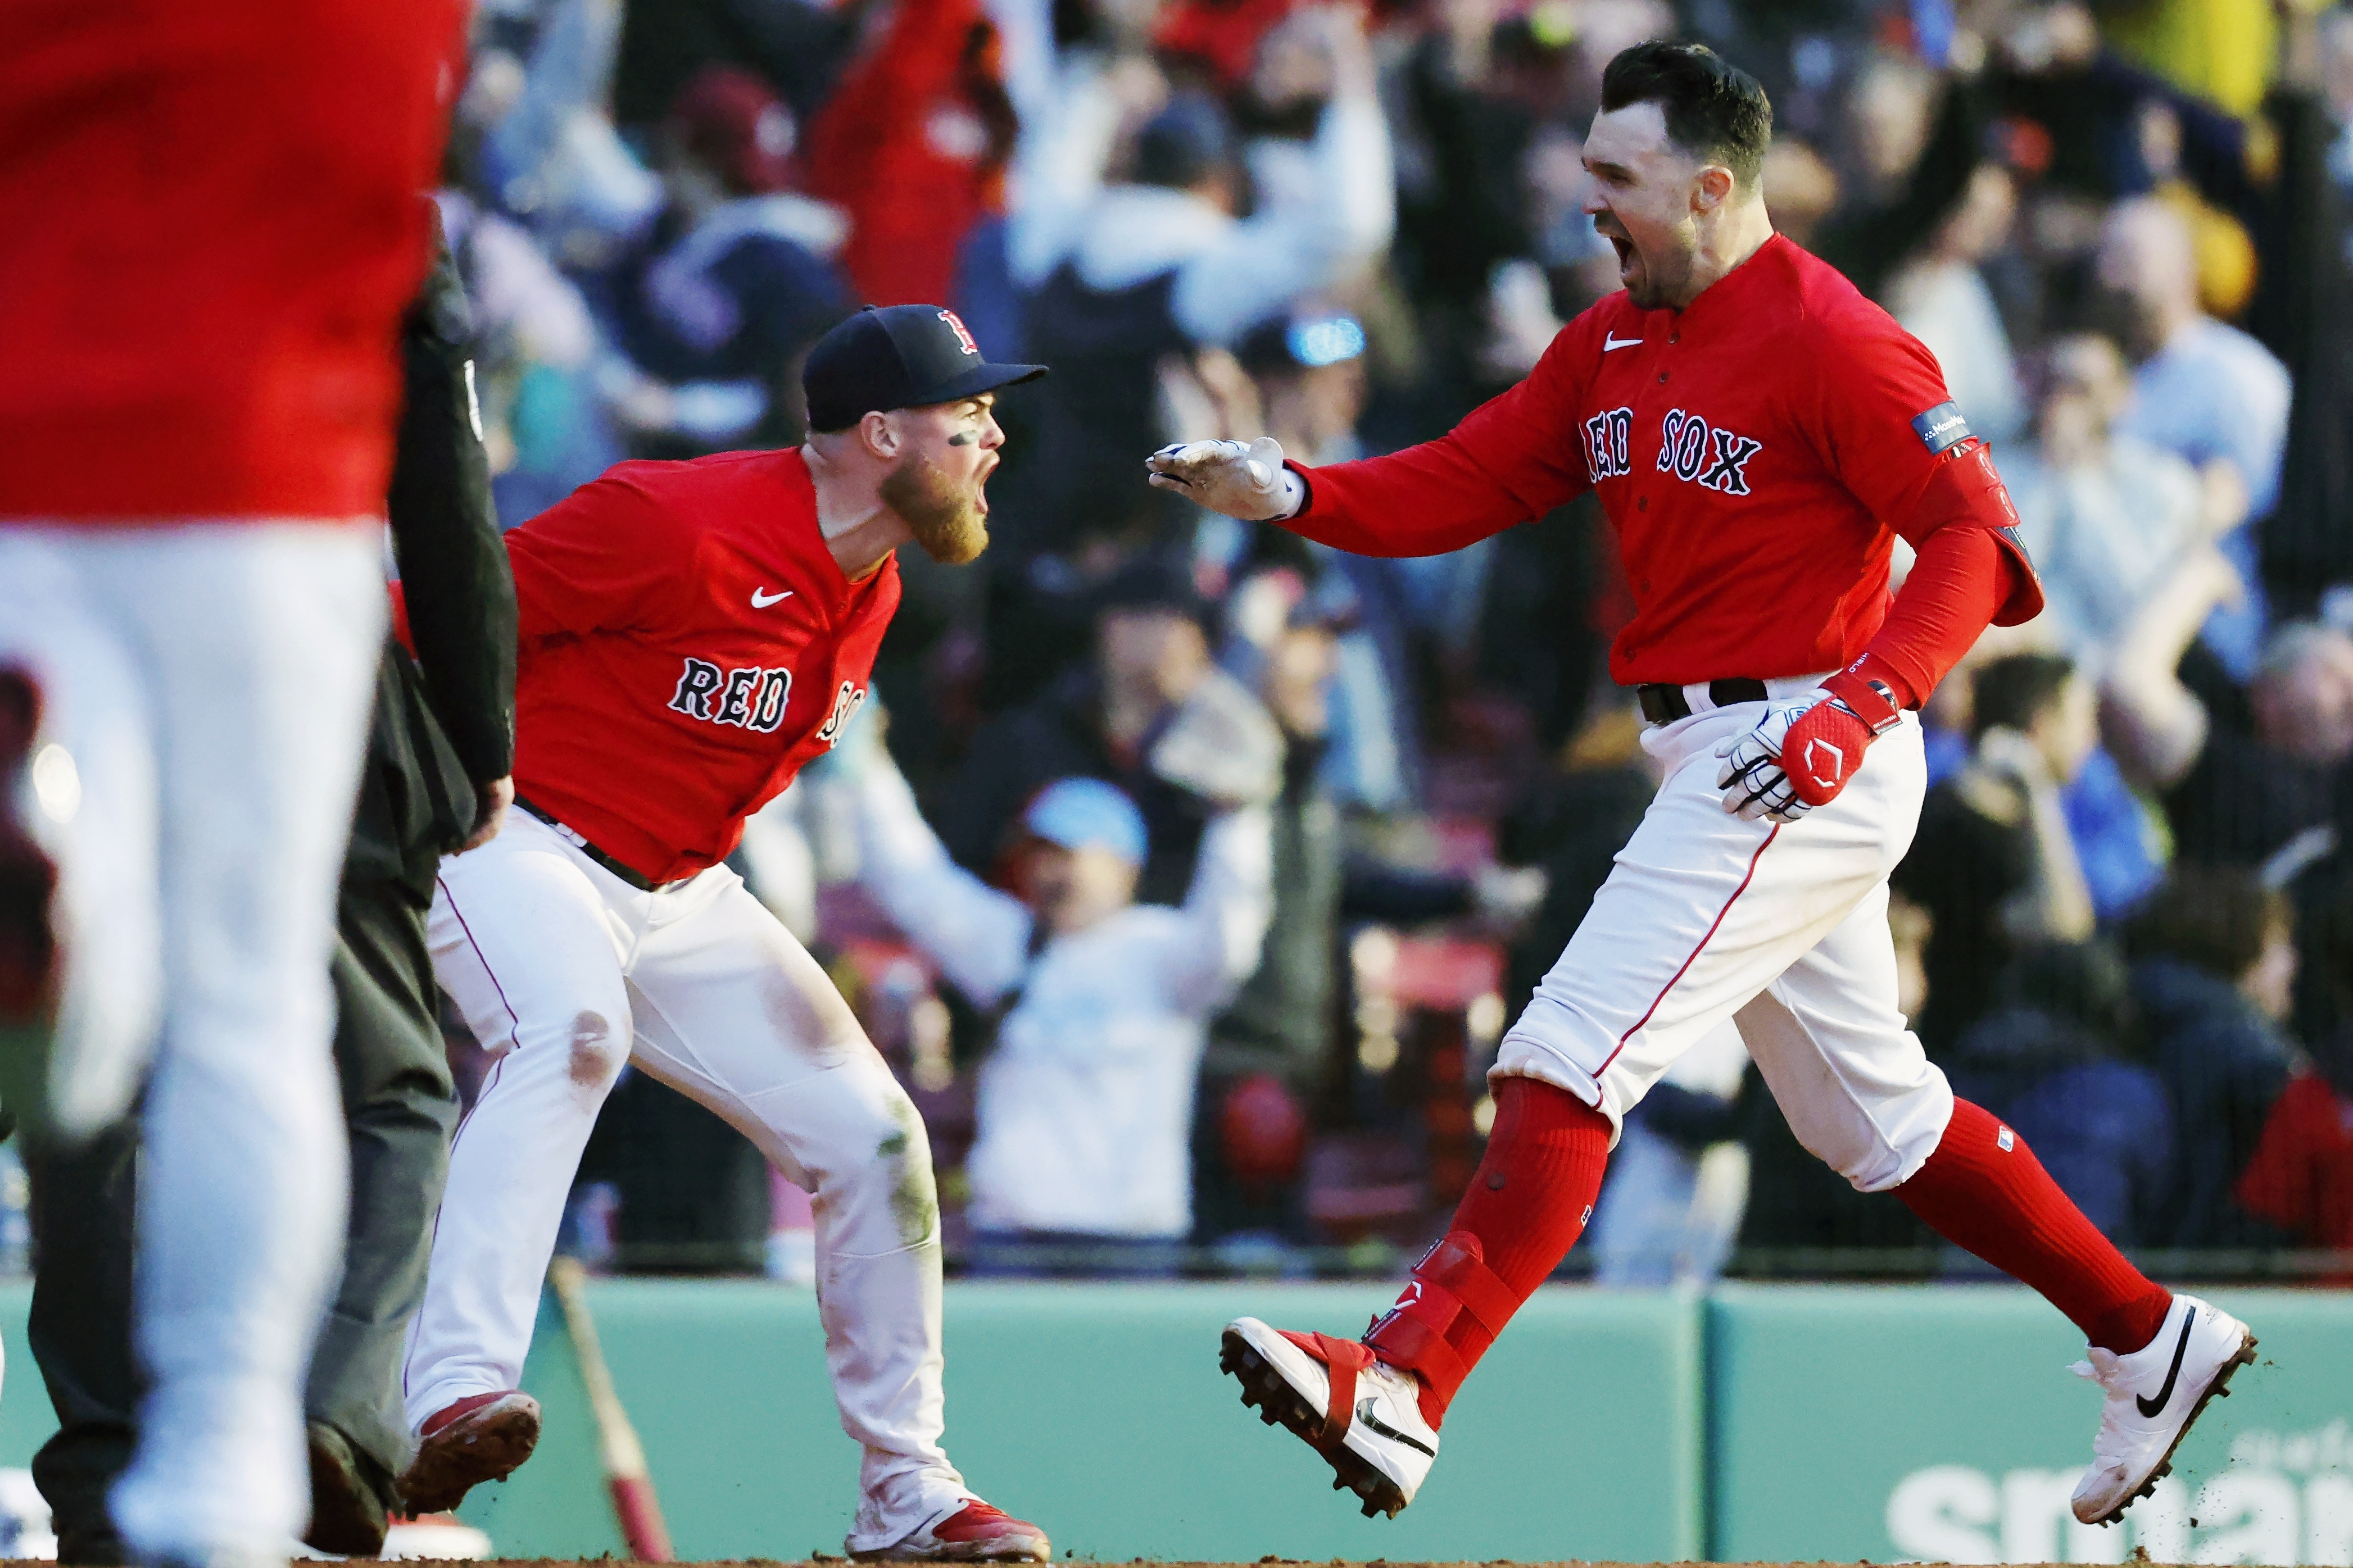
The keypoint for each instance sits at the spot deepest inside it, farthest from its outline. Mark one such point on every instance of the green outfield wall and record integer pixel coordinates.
(1940, 1424)
(1773, 1423)
(1098, 1410)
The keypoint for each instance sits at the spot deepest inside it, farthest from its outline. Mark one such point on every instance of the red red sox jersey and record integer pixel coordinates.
(215, 216)
(688, 643)
(1756, 453)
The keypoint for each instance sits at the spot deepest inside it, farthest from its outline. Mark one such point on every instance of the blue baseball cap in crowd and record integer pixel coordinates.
(905, 356)
(1080, 813)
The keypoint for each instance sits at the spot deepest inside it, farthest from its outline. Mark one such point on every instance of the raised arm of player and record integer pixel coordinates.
(1515, 457)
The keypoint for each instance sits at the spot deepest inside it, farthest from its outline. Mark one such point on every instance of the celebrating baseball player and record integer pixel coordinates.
(1758, 433)
(693, 634)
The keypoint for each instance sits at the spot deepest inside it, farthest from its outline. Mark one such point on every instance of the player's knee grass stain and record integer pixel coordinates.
(915, 1200)
(592, 1056)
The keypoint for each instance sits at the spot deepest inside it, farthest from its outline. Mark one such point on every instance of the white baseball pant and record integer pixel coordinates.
(568, 972)
(1779, 927)
(212, 683)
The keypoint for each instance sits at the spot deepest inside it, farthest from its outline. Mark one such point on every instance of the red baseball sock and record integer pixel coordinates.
(1983, 1189)
(1525, 1208)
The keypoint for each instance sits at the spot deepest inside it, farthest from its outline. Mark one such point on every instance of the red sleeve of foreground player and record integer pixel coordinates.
(1515, 457)
(1955, 587)
(689, 645)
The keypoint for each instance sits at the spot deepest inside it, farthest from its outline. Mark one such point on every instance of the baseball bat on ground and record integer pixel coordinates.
(624, 1457)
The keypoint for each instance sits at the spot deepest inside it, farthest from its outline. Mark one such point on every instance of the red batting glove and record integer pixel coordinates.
(1826, 742)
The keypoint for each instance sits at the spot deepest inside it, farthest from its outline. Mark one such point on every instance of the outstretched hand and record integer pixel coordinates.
(1247, 482)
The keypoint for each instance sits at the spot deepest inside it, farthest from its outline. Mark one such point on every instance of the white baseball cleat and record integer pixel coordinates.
(2152, 1395)
(1362, 1414)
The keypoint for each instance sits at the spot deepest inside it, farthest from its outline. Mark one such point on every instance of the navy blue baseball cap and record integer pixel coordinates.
(902, 356)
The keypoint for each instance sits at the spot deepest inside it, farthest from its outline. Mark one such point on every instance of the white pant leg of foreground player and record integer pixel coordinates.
(569, 972)
(1784, 925)
(212, 685)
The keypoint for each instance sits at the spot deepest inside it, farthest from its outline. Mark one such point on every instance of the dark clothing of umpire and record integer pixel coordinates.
(444, 725)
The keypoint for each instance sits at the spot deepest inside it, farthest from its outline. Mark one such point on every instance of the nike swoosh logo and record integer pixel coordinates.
(1364, 1414)
(1611, 342)
(2149, 1407)
(761, 601)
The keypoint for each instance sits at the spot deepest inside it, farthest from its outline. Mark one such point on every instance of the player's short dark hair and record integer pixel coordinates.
(1712, 108)
(2013, 692)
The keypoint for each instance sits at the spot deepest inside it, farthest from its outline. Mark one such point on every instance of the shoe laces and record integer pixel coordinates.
(2103, 1367)
(2106, 1368)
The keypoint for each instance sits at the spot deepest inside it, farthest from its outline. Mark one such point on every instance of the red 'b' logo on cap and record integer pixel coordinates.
(964, 335)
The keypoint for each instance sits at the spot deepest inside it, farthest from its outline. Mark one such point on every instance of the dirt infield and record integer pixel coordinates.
(826, 1561)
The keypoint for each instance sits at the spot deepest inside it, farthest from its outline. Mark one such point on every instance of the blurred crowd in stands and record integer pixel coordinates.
(1188, 873)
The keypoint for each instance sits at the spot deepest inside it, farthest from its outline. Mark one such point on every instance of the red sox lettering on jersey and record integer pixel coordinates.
(752, 698)
(1757, 453)
(688, 643)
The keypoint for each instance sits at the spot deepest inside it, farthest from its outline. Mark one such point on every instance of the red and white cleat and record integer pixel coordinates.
(480, 1439)
(1361, 1414)
(976, 1532)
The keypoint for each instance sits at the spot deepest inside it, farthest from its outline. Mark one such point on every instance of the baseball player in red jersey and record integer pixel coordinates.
(691, 633)
(1758, 433)
(213, 222)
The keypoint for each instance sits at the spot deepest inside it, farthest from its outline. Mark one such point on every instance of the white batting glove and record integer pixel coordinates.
(1246, 482)
(1752, 781)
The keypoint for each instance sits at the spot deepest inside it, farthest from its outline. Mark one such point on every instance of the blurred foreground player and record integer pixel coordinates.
(693, 633)
(213, 227)
(1758, 433)
(436, 780)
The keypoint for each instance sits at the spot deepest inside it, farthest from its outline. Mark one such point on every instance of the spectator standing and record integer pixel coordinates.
(1941, 298)
(539, 357)
(1085, 1101)
(914, 144)
(1149, 713)
(1273, 1046)
(2273, 772)
(1121, 275)
(2049, 1061)
(2301, 1175)
(2214, 962)
(1993, 862)
(799, 50)
(2204, 391)
(2107, 516)
(734, 282)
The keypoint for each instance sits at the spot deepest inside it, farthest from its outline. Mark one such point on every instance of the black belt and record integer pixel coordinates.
(640, 883)
(1665, 704)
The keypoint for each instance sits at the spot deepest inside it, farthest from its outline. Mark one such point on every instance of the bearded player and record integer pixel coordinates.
(691, 635)
(1758, 433)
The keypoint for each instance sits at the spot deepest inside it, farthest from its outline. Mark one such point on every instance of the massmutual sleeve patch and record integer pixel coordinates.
(1941, 428)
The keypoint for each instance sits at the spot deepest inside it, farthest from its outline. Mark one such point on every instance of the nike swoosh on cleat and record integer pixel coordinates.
(761, 599)
(1364, 1414)
(2149, 1407)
